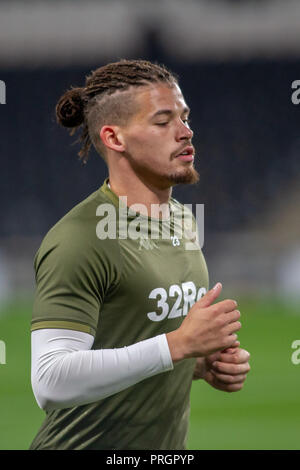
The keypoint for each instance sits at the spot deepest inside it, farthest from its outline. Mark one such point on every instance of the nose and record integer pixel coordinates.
(184, 132)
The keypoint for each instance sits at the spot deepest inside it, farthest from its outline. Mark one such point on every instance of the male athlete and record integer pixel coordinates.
(121, 327)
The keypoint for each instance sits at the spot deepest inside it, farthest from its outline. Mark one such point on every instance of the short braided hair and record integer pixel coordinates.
(91, 106)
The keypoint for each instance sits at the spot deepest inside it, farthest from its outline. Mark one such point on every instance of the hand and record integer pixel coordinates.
(206, 328)
(226, 370)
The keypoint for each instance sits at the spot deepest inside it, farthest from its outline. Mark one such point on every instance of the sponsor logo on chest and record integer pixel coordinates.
(185, 296)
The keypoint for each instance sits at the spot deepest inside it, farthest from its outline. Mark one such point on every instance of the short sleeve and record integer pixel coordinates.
(73, 275)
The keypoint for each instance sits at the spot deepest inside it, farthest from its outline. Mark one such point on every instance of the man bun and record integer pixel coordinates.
(78, 109)
(69, 109)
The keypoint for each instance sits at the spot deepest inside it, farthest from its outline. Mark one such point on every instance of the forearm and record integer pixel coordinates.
(66, 372)
(177, 352)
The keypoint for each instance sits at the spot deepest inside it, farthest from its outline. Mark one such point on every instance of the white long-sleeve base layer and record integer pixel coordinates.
(65, 372)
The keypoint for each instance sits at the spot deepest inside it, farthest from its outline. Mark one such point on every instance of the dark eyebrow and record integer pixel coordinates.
(186, 109)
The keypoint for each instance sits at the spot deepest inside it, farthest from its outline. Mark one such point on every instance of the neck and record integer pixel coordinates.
(138, 191)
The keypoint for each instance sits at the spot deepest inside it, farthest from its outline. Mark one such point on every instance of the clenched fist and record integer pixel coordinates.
(226, 370)
(206, 329)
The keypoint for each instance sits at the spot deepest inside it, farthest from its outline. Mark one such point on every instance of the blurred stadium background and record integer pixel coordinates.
(236, 61)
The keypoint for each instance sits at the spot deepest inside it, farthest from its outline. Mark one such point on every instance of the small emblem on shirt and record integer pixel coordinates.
(175, 240)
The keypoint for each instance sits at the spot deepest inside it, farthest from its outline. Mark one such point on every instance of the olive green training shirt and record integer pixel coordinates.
(121, 290)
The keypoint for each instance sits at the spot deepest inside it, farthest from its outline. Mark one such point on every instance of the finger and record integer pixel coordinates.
(232, 328)
(231, 369)
(210, 296)
(230, 379)
(212, 380)
(225, 306)
(232, 316)
(214, 357)
(231, 387)
(231, 350)
(238, 357)
(229, 341)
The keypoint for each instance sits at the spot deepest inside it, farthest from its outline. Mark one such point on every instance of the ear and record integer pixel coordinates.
(112, 138)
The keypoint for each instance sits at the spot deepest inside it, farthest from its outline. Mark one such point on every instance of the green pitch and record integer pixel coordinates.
(265, 415)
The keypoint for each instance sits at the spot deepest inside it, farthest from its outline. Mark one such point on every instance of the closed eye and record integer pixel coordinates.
(186, 121)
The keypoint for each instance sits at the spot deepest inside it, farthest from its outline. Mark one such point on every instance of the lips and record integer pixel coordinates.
(186, 151)
(186, 154)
